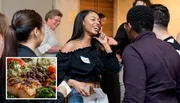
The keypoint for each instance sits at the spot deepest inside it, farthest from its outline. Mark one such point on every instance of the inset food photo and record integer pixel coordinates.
(31, 78)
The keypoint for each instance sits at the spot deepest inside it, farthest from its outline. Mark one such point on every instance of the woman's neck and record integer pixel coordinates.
(29, 45)
(86, 40)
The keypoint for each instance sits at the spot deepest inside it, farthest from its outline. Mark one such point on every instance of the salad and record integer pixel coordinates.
(31, 77)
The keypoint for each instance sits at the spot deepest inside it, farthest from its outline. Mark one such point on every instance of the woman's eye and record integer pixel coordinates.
(93, 19)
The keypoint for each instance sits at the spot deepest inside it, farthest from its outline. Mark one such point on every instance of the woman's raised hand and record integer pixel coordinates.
(102, 38)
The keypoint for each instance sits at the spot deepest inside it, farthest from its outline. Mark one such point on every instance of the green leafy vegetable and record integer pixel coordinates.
(11, 64)
(45, 93)
(27, 59)
(10, 95)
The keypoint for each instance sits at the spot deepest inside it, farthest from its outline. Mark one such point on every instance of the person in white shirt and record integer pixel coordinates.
(50, 45)
(161, 21)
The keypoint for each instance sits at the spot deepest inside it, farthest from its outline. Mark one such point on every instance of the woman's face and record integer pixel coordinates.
(54, 22)
(103, 21)
(140, 3)
(91, 23)
(42, 34)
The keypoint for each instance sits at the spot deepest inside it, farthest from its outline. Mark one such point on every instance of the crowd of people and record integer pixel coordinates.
(142, 48)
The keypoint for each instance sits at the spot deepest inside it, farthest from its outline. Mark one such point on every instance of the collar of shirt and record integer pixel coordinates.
(147, 34)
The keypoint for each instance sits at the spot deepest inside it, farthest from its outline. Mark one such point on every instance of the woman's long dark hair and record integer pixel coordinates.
(3, 27)
(78, 30)
(22, 24)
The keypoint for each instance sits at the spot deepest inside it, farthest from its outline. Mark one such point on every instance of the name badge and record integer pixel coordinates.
(85, 59)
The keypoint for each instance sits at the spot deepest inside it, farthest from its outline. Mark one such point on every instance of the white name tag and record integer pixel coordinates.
(85, 59)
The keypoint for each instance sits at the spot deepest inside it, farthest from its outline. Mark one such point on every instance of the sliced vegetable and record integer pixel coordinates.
(49, 82)
(46, 84)
(19, 61)
(54, 88)
(52, 69)
(53, 76)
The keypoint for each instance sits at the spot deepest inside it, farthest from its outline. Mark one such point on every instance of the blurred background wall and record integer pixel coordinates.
(115, 10)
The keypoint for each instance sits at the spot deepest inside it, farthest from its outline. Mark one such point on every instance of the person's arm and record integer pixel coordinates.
(112, 41)
(80, 87)
(134, 77)
(53, 49)
(110, 61)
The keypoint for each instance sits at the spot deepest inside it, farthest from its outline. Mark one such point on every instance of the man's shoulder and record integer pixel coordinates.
(128, 50)
(173, 42)
(143, 47)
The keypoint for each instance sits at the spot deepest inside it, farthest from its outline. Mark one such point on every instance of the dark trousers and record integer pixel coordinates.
(111, 86)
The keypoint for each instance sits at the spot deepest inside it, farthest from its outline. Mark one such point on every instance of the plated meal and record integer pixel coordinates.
(31, 77)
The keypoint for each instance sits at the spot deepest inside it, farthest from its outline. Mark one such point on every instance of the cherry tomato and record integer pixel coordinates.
(19, 61)
(9, 59)
(52, 69)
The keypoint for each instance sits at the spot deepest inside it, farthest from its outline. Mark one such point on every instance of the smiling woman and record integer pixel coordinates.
(50, 45)
(82, 58)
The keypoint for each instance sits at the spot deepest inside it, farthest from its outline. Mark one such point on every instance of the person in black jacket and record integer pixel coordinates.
(110, 81)
(21, 38)
(121, 34)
